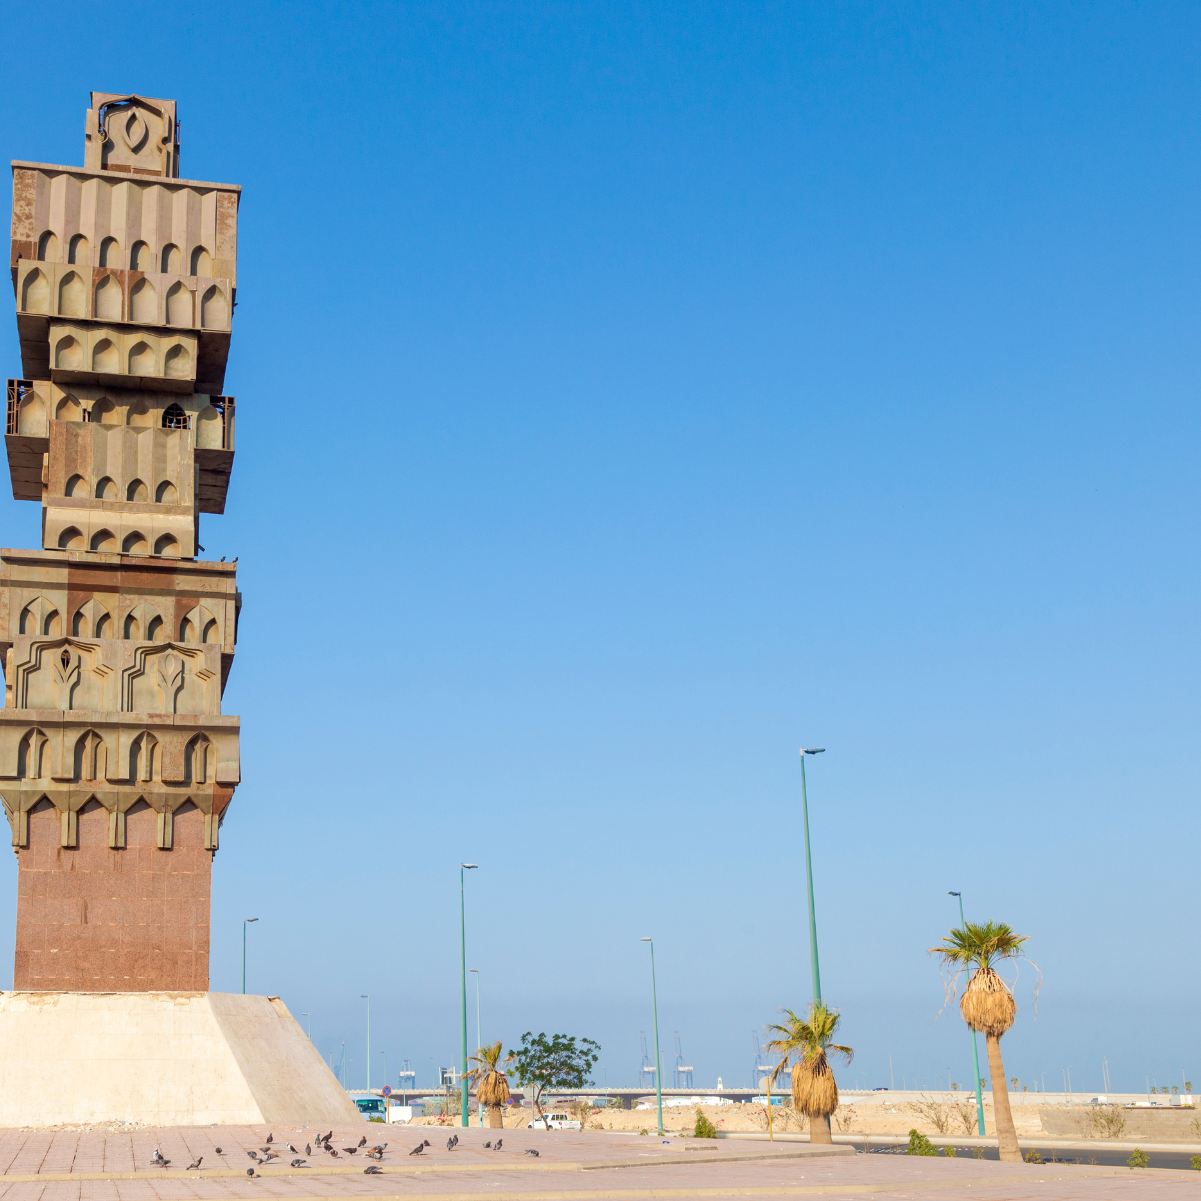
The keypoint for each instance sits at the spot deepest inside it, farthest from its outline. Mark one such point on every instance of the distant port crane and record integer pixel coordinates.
(683, 1073)
(646, 1073)
(762, 1067)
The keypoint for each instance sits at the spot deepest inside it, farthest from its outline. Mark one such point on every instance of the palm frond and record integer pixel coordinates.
(978, 945)
(807, 1039)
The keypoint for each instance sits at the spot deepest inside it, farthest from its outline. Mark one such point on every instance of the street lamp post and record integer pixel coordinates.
(478, 1043)
(245, 922)
(975, 1047)
(366, 997)
(817, 977)
(655, 1008)
(463, 1085)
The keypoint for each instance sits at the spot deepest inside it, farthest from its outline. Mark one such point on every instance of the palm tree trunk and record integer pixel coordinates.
(1007, 1136)
(819, 1128)
(495, 1118)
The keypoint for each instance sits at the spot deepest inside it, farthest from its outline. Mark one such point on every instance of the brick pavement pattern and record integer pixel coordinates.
(92, 1165)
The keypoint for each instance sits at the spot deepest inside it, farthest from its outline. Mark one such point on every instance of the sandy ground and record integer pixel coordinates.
(927, 1117)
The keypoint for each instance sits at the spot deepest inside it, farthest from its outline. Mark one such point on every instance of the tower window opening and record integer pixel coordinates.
(176, 419)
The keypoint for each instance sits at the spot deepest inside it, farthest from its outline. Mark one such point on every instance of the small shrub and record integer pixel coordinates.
(949, 1152)
(1032, 1157)
(758, 1115)
(1196, 1162)
(644, 1130)
(933, 1111)
(977, 1152)
(965, 1114)
(1105, 1121)
(703, 1128)
(844, 1117)
(919, 1144)
(1138, 1159)
(375, 1119)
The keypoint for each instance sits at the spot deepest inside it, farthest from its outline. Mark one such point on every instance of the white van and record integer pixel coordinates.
(554, 1121)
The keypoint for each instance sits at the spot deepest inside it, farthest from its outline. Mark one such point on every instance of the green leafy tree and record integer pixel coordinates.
(703, 1128)
(987, 1005)
(553, 1061)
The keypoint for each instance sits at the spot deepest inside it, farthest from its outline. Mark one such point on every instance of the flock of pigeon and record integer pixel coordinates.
(453, 1142)
(266, 1154)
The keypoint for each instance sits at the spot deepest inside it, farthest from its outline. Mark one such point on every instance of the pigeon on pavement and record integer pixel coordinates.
(296, 1163)
(308, 1148)
(531, 1151)
(417, 1150)
(193, 1166)
(374, 1170)
(363, 1140)
(498, 1143)
(218, 1150)
(270, 1137)
(253, 1155)
(351, 1150)
(291, 1148)
(250, 1171)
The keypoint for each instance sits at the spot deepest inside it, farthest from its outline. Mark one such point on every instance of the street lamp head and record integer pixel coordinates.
(474, 969)
(646, 940)
(954, 894)
(813, 750)
(469, 866)
(250, 919)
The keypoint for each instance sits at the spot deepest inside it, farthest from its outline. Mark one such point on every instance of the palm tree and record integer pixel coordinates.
(987, 1005)
(492, 1088)
(805, 1042)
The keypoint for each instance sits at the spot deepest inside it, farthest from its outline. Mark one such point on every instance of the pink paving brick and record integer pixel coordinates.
(579, 1166)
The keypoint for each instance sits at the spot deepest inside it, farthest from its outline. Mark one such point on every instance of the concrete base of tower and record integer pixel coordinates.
(161, 1059)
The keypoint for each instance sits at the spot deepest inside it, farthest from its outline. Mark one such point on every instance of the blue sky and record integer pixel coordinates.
(631, 394)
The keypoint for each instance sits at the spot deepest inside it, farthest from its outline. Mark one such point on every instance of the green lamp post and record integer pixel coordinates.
(245, 922)
(463, 869)
(366, 997)
(975, 1046)
(655, 1008)
(817, 976)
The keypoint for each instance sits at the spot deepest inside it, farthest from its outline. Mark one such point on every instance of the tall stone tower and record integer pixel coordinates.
(116, 762)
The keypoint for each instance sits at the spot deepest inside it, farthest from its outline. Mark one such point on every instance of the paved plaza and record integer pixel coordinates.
(66, 1165)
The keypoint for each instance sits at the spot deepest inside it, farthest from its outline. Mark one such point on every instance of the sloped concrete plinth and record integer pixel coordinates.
(162, 1059)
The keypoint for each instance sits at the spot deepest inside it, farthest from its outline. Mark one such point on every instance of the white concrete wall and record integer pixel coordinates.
(162, 1059)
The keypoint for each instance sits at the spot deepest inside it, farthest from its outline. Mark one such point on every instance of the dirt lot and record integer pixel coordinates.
(930, 1117)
